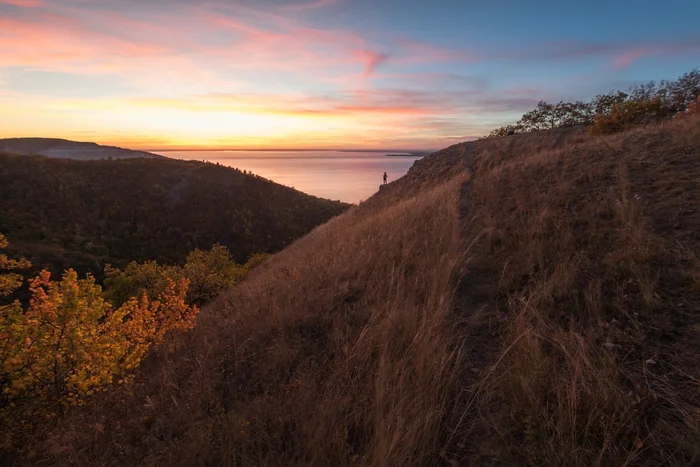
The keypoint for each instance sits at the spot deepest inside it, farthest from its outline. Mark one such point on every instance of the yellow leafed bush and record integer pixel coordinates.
(71, 343)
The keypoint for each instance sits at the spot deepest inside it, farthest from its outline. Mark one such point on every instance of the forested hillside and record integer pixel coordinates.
(84, 214)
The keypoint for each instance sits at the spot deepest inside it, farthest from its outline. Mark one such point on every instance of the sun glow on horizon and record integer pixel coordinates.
(303, 73)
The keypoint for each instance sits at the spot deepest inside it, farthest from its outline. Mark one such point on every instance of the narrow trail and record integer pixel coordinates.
(478, 323)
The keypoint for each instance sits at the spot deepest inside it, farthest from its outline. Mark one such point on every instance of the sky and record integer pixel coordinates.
(158, 74)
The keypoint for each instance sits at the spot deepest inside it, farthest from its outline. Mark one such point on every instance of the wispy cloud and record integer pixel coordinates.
(372, 60)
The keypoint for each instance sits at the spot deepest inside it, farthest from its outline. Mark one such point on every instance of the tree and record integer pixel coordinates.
(684, 90)
(644, 92)
(540, 118)
(603, 103)
(572, 114)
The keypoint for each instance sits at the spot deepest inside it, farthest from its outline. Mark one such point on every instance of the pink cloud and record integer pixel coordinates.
(60, 40)
(371, 59)
(629, 57)
(633, 54)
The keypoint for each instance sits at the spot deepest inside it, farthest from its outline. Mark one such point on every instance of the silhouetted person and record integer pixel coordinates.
(385, 178)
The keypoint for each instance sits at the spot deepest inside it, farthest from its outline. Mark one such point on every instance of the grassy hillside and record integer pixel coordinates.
(531, 300)
(83, 214)
(64, 149)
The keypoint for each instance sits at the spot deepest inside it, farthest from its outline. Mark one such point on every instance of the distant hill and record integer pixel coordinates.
(84, 214)
(64, 149)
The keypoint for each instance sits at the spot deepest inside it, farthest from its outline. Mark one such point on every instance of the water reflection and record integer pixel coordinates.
(345, 176)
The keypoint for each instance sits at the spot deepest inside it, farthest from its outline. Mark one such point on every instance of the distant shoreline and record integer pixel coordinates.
(407, 155)
(390, 152)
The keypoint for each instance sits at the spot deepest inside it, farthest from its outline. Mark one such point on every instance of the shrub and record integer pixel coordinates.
(694, 107)
(506, 130)
(138, 279)
(210, 273)
(71, 342)
(626, 115)
(256, 260)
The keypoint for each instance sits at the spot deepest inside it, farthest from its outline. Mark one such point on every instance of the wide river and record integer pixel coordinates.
(345, 176)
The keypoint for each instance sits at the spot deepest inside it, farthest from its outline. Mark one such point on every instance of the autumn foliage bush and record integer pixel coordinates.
(71, 343)
(694, 107)
(628, 114)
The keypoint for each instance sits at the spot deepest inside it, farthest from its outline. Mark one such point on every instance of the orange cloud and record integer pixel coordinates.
(61, 42)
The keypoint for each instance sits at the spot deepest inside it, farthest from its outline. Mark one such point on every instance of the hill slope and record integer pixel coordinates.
(64, 149)
(532, 300)
(83, 214)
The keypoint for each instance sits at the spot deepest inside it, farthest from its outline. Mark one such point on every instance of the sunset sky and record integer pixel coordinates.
(320, 73)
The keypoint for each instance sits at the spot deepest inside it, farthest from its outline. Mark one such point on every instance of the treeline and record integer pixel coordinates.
(63, 214)
(73, 338)
(616, 110)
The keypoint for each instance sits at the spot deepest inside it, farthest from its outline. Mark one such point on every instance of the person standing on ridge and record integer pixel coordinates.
(385, 178)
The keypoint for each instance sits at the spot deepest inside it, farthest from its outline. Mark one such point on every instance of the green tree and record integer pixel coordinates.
(137, 279)
(210, 273)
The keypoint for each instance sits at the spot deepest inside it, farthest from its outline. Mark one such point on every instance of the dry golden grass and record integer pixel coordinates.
(592, 247)
(530, 300)
(340, 350)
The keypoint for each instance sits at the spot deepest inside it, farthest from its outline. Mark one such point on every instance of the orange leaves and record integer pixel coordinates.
(694, 107)
(9, 281)
(626, 115)
(71, 343)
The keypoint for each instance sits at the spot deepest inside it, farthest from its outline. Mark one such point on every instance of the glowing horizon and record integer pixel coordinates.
(336, 74)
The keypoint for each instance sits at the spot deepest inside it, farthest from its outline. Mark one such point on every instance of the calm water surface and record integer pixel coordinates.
(345, 176)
